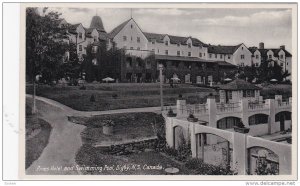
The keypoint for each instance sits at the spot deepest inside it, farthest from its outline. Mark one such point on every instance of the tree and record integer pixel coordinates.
(270, 69)
(45, 46)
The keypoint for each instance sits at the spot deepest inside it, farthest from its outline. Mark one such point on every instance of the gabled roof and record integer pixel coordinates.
(221, 49)
(116, 30)
(72, 28)
(239, 84)
(173, 39)
(252, 49)
(88, 32)
(276, 51)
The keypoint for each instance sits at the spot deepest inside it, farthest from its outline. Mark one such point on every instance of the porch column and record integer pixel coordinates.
(169, 132)
(239, 152)
(271, 121)
(245, 112)
(212, 112)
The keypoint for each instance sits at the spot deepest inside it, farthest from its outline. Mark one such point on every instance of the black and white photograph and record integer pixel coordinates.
(159, 90)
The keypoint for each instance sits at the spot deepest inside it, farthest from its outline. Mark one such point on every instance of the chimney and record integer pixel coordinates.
(282, 47)
(261, 45)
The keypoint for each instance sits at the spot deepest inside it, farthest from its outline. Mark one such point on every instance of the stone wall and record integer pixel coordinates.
(133, 147)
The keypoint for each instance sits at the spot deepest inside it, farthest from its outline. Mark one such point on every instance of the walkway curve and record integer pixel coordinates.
(65, 139)
(64, 142)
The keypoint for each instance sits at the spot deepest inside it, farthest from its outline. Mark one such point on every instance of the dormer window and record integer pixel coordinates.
(131, 26)
(94, 49)
(242, 56)
(80, 35)
(270, 56)
(256, 56)
(281, 56)
(166, 43)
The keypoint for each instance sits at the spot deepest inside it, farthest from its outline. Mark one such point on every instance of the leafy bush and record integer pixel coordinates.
(82, 87)
(206, 169)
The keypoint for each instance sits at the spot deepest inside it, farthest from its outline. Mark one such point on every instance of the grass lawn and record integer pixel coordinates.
(120, 95)
(137, 164)
(36, 144)
(128, 126)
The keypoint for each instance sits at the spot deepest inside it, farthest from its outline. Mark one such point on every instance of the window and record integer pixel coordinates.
(166, 52)
(281, 56)
(153, 42)
(166, 43)
(80, 47)
(157, 50)
(248, 93)
(227, 123)
(80, 35)
(131, 38)
(131, 48)
(242, 48)
(229, 94)
(258, 119)
(203, 54)
(256, 64)
(178, 53)
(287, 63)
(138, 48)
(242, 56)
(189, 45)
(221, 56)
(270, 56)
(228, 57)
(94, 49)
(138, 39)
(189, 54)
(209, 55)
(131, 26)
(124, 38)
(256, 56)
(200, 54)
(178, 45)
(95, 38)
(216, 55)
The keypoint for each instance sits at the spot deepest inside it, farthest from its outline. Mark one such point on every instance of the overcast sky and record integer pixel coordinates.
(214, 26)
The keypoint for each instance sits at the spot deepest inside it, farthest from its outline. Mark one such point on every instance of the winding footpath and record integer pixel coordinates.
(65, 139)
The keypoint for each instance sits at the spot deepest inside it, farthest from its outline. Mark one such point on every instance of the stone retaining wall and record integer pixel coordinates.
(133, 147)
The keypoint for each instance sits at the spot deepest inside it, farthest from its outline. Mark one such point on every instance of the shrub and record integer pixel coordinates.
(207, 169)
(92, 98)
(82, 87)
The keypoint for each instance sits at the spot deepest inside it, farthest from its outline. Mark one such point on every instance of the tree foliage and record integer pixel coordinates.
(45, 44)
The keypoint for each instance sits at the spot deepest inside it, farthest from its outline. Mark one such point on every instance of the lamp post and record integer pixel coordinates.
(160, 67)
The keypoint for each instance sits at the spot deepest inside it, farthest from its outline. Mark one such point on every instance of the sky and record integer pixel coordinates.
(211, 26)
